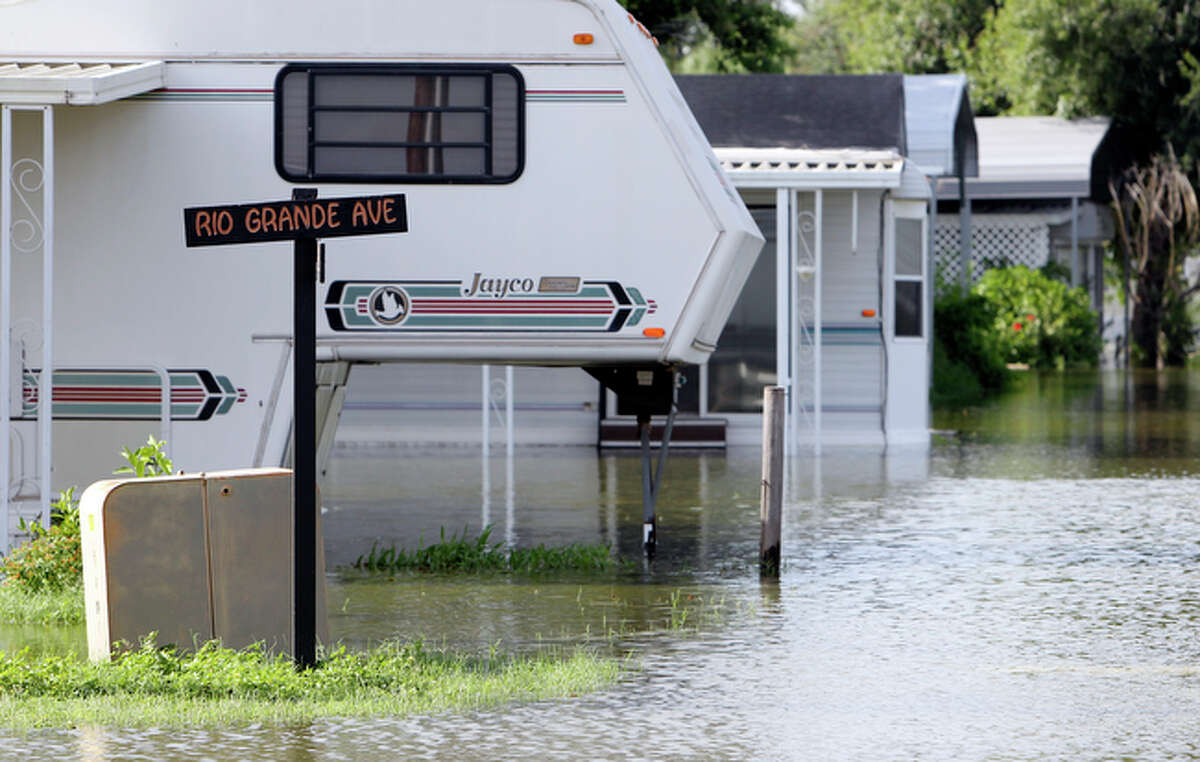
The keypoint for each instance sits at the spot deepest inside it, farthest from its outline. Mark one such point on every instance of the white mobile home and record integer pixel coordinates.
(563, 208)
(840, 311)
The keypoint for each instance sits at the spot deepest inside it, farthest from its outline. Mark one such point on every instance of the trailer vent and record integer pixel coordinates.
(406, 123)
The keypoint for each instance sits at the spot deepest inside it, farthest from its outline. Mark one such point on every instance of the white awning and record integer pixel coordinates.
(810, 169)
(45, 84)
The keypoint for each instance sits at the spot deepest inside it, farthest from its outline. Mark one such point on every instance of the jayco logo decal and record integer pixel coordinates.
(486, 303)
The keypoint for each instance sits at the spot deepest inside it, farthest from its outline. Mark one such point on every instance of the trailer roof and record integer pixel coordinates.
(77, 83)
(1037, 157)
(799, 111)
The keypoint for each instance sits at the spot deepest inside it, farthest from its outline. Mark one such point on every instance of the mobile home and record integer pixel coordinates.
(839, 308)
(564, 209)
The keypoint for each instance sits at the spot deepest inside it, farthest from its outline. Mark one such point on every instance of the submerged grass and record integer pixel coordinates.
(49, 607)
(216, 686)
(462, 554)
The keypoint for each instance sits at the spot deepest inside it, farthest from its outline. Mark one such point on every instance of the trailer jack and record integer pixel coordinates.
(645, 391)
(652, 479)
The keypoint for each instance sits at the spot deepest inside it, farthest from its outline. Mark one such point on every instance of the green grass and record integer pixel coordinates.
(463, 555)
(19, 606)
(219, 687)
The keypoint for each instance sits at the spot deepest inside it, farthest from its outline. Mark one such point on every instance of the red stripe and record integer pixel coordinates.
(575, 92)
(516, 302)
(511, 314)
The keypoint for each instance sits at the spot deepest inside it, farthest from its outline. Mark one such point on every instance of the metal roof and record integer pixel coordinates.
(940, 125)
(76, 83)
(1035, 157)
(807, 168)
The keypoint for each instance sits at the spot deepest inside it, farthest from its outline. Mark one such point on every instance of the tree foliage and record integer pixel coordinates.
(909, 36)
(733, 35)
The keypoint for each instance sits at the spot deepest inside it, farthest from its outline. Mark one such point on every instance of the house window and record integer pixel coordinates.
(405, 123)
(909, 280)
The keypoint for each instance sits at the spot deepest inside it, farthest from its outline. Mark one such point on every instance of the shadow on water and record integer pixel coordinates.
(1024, 590)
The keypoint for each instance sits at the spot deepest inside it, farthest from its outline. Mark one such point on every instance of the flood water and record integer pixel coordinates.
(1026, 590)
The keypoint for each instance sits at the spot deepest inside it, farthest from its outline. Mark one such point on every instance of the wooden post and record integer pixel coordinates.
(771, 512)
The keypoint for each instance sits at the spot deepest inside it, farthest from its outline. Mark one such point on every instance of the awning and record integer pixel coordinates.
(45, 84)
(810, 169)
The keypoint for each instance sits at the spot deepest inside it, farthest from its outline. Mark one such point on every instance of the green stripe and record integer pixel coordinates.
(69, 378)
(350, 317)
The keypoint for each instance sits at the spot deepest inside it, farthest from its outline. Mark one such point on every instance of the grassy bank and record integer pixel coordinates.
(458, 553)
(18, 606)
(220, 687)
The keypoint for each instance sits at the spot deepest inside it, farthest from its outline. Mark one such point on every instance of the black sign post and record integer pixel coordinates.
(303, 220)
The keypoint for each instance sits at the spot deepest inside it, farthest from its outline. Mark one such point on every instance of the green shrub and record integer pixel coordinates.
(965, 326)
(1040, 321)
(52, 560)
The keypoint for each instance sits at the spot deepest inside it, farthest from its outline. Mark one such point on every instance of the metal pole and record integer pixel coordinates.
(783, 276)
(46, 386)
(510, 536)
(485, 435)
(1076, 276)
(964, 228)
(649, 539)
(485, 405)
(508, 409)
(818, 321)
(5, 312)
(771, 510)
(304, 481)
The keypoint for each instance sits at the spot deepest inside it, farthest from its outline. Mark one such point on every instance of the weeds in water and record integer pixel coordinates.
(462, 554)
(148, 685)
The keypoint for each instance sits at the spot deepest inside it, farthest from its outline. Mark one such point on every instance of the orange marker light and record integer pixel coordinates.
(583, 38)
(653, 333)
(868, 313)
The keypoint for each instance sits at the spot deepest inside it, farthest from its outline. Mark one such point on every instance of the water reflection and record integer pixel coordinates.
(1026, 590)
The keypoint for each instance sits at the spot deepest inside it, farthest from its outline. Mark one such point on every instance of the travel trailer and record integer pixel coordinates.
(563, 209)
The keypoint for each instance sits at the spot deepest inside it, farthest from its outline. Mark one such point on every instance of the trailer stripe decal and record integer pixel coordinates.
(206, 94)
(607, 95)
(195, 395)
(482, 305)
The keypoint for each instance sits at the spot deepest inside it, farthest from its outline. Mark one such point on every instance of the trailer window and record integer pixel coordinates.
(408, 123)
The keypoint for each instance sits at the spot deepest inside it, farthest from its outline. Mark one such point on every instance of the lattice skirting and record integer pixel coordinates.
(997, 240)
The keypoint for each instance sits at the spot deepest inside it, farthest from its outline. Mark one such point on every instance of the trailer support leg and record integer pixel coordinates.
(652, 479)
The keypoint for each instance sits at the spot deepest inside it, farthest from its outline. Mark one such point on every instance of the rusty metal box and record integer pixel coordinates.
(192, 558)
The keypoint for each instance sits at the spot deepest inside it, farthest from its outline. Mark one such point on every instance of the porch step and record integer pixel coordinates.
(706, 433)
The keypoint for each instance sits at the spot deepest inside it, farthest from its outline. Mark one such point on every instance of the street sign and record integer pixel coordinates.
(303, 221)
(291, 220)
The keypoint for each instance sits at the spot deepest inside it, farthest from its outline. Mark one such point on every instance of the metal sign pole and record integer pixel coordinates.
(304, 465)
